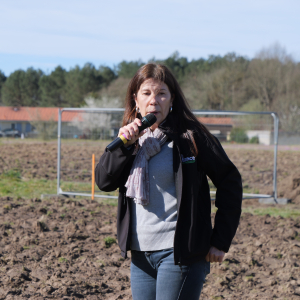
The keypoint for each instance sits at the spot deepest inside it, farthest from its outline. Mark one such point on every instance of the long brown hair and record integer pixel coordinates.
(186, 119)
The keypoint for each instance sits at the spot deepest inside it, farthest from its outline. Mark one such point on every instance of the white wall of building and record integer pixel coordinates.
(264, 136)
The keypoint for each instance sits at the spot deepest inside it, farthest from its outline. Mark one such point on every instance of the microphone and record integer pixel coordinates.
(147, 121)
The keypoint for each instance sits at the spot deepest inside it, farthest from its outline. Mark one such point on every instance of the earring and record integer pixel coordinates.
(137, 109)
(171, 108)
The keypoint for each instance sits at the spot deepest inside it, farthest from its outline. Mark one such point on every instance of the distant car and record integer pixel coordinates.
(12, 132)
(2, 134)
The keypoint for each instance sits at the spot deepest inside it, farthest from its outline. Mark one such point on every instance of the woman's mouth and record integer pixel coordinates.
(153, 112)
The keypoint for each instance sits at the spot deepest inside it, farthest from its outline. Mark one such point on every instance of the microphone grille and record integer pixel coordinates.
(151, 119)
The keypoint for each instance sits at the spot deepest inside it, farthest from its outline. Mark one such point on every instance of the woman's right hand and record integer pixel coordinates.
(131, 131)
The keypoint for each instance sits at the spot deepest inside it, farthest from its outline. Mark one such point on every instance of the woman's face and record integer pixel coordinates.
(154, 97)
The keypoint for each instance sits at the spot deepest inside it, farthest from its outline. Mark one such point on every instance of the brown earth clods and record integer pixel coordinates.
(55, 248)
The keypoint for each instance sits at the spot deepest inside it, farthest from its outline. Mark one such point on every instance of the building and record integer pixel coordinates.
(27, 120)
(219, 127)
(43, 121)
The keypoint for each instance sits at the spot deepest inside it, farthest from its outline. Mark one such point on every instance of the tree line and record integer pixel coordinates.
(268, 82)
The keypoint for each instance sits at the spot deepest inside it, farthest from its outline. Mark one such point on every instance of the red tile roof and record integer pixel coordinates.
(215, 121)
(8, 113)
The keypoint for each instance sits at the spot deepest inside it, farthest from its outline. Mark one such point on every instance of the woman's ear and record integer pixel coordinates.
(135, 99)
(172, 99)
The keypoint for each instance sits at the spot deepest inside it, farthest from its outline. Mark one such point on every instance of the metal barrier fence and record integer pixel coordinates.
(77, 114)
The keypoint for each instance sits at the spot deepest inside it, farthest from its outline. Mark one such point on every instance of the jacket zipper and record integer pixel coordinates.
(175, 245)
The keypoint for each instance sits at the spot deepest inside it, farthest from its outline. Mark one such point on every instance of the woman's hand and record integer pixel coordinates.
(215, 255)
(131, 132)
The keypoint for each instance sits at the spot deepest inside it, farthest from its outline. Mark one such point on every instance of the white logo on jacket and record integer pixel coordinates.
(187, 160)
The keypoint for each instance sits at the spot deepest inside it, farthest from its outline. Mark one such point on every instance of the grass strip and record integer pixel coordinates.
(12, 185)
(286, 211)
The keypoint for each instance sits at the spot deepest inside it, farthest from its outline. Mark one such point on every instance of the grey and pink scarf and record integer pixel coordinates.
(138, 184)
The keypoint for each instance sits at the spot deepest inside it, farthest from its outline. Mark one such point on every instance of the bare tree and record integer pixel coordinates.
(268, 73)
(194, 92)
(94, 124)
(288, 102)
(115, 92)
(275, 77)
(224, 88)
(46, 129)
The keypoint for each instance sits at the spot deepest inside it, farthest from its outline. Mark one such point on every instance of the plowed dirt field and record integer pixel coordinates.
(65, 248)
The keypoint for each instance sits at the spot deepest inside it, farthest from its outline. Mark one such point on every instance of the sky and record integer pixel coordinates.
(45, 34)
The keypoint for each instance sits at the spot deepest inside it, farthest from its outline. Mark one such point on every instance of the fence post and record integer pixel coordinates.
(276, 125)
(58, 150)
(93, 176)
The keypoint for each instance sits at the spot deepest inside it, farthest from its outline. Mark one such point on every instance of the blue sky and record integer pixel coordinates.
(46, 34)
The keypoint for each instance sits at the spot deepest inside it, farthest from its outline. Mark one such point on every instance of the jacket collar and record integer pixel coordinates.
(170, 127)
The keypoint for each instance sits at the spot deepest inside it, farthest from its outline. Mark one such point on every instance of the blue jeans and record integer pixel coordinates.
(155, 277)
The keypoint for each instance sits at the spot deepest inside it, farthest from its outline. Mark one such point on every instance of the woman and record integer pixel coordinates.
(164, 203)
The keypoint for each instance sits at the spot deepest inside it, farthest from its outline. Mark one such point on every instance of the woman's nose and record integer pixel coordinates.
(153, 99)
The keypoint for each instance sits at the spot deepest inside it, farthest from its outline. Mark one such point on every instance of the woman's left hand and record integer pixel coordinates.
(215, 255)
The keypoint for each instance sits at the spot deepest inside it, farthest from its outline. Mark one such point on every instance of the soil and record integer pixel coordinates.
(39, 160)
(55, 248)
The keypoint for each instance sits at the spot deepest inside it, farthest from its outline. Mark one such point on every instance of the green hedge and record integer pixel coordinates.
(239, 135)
